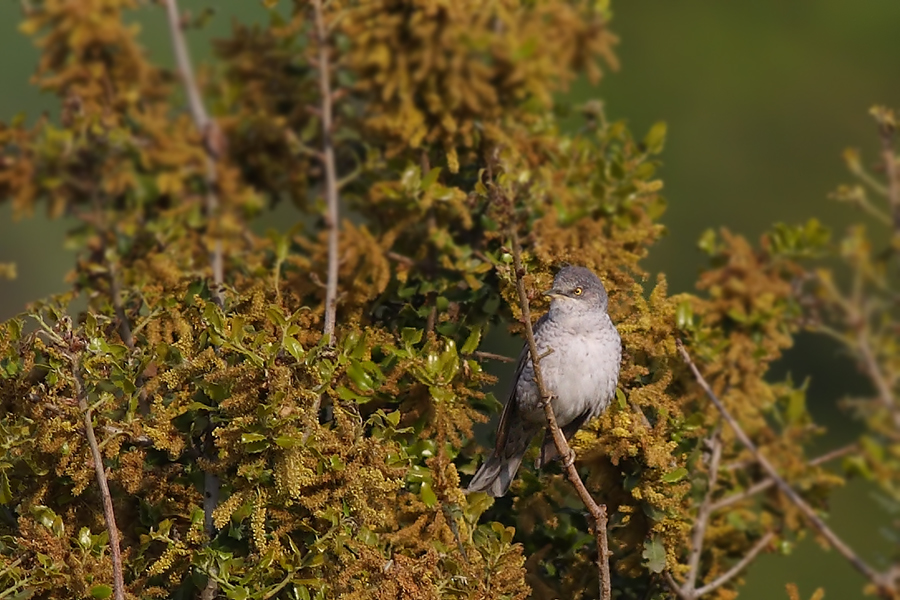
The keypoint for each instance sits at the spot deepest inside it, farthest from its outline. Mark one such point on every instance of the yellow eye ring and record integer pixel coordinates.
(578, 291)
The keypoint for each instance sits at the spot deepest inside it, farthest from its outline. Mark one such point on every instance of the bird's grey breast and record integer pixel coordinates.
(580, 368)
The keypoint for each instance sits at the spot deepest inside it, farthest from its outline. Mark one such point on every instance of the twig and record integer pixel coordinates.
(597, 511)
(492, 356)
(212, 141)
(737, 568)
(873, 369)
(884, 587)
(331, 182)
(703, 514)
(109, 514)
(209, 130)
(765, 484)
(890, 166)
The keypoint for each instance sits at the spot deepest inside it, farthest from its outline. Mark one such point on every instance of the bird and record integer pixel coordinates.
(580, 351)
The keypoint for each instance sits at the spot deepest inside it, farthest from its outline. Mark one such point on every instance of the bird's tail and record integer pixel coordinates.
(498, 471)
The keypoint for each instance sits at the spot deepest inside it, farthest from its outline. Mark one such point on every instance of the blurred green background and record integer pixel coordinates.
(760, 98)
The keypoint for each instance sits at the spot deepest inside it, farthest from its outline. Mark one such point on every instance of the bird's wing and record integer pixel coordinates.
(511, 407)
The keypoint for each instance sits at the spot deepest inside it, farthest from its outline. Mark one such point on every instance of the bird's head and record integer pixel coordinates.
(576, 290)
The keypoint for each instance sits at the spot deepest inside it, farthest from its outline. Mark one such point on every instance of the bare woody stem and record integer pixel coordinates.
(703, 514)
(884, 586)
(768, 482)
(212, 145)
(890, 167)
(109, 514)
(331, 182)
(597, 511)
(209, 130)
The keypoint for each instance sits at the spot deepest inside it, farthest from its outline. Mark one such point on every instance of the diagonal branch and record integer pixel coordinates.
(737, 568)
(887, 130)
(884, 587)
(331, 182)
(212, 145)
(597, 511)
(211, 139)
(109, 514)
(768, 482)
(703, 514)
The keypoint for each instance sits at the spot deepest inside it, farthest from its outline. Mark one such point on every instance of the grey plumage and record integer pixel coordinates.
(581, 373)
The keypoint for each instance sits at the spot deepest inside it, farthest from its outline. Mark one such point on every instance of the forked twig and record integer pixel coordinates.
(597, 511)
(885, 587)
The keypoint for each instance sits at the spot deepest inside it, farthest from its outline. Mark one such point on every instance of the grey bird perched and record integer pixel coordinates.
(580, 373)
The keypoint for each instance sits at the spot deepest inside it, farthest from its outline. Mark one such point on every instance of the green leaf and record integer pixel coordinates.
(101, 591)
(427, 494)
(345, 393)
(250, 438)
(656, 138)
(286, 441)
(676, 475)
(294, 348)
(655, 554)
(5, 491)
(411, 336)
(430, 178)
(684, 315)
(359, 377)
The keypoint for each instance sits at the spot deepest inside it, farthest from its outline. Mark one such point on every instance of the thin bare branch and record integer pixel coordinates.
(703, 514)
(768, 482)
(331, 179)
(837, 543)
(211, 139)
(492, 356)
(737, 568)
(109, 514)
(890, 166)
(873, 370)
(212, 145)
(597, 511)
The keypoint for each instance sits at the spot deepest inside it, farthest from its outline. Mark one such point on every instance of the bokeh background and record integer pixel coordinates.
(760, 99)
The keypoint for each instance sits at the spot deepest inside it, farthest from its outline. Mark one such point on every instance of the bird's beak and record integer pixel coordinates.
(554, 293)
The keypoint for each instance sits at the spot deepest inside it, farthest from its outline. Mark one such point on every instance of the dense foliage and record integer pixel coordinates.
(341, 464)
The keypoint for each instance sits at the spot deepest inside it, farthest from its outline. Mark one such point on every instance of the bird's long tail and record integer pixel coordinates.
(499, 470)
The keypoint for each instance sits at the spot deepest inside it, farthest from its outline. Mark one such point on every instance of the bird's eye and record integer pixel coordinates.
(578, 291)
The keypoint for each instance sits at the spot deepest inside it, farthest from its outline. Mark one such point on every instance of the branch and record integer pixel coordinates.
(703, 514)
(884, 587)
(886, 128)
(109, 514)
(873, 369)
(331, 182)
(492, 356)
(737, 568)
(597, 511)
(212, 143)
(765, 484)
(211, 139)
